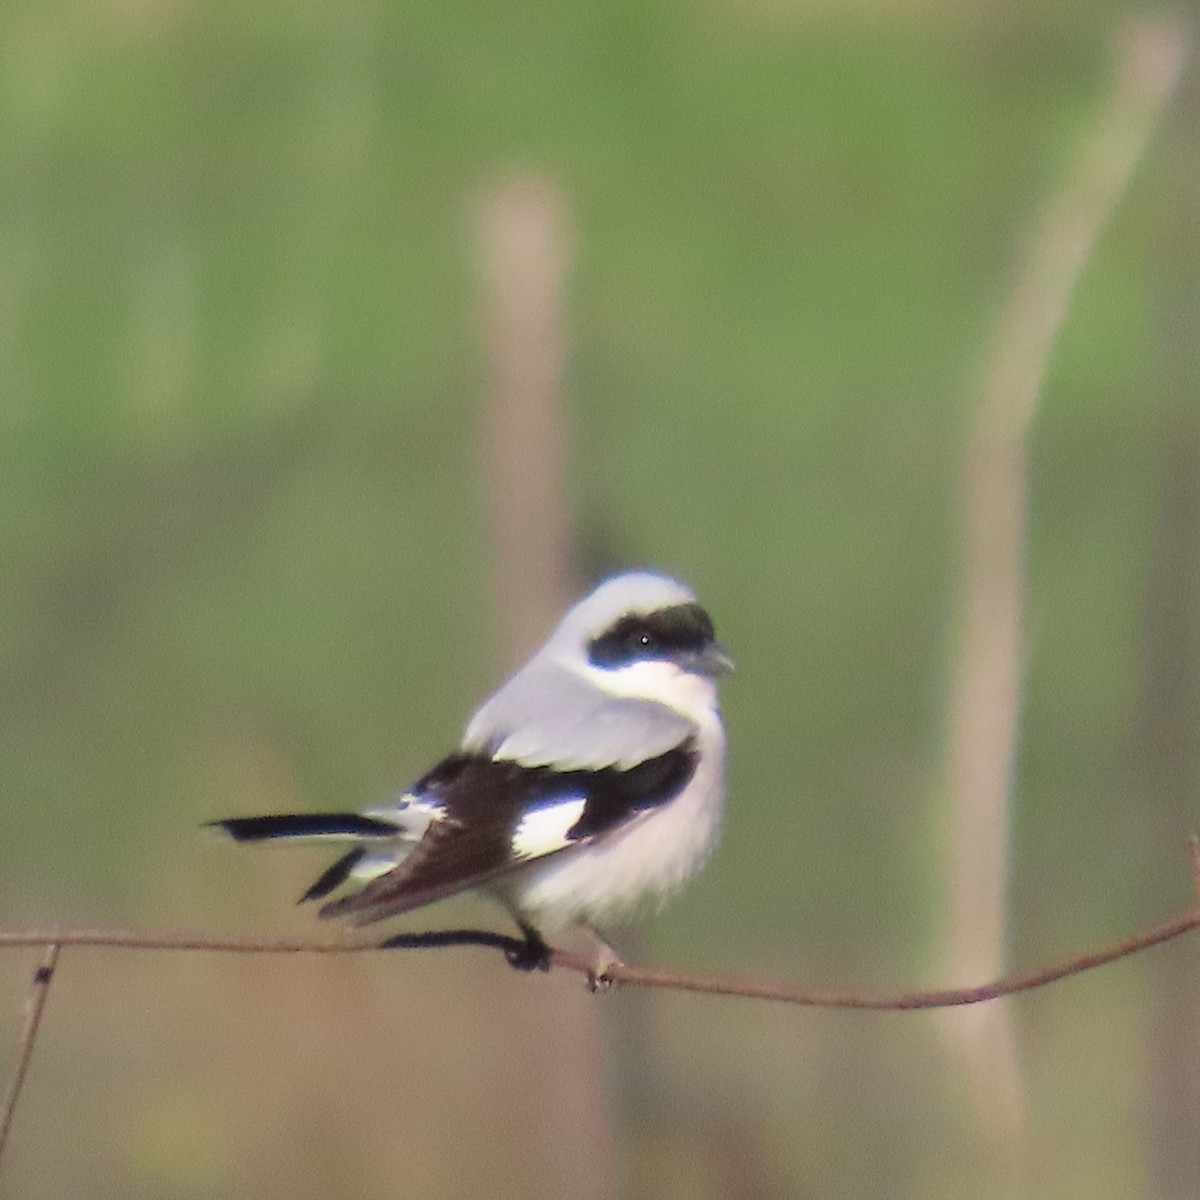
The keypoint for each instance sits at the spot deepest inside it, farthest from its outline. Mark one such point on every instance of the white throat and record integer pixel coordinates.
(691, 695)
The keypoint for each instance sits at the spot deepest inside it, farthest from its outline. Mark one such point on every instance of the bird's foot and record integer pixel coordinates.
(599, 978)
(530, 955)
(598, 981)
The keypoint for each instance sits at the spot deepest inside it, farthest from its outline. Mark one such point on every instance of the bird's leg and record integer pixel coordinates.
(599, 978)
(533, 954)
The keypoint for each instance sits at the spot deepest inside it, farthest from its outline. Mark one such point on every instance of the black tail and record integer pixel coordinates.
(333, 877)
(306, 825)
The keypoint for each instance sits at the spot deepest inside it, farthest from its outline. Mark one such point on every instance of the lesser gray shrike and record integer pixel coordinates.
(590, 784)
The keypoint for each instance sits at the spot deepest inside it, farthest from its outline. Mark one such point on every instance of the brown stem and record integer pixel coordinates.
(38, 995)
(623, 975)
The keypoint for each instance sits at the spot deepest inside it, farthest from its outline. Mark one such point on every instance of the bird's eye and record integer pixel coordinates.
(670, 634)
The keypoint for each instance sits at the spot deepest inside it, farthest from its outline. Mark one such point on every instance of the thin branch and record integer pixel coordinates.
(177, 939)
(525, 245)
(623, 975)
(523, 250)
(39, 992)
(984, 709)
(1150, 53)
(789, 993)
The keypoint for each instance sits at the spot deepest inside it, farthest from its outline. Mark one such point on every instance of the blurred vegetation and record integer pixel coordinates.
(242, 550)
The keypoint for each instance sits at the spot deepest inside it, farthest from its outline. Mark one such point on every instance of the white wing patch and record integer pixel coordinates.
(543, 830)
(412, 815)
(374, 865)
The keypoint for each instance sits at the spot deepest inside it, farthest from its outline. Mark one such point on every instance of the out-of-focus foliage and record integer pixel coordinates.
(243, 561)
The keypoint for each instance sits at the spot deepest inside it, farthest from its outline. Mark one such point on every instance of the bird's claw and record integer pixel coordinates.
(530, 955)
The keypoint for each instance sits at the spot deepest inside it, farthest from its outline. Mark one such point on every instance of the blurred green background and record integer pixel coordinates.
(244, 566)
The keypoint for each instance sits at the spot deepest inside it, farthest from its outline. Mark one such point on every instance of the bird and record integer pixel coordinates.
(587, 788)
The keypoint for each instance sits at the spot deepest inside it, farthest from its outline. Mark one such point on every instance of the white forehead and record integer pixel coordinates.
(633, 592)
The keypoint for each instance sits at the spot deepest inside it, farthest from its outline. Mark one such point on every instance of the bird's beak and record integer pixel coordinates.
(714, 660)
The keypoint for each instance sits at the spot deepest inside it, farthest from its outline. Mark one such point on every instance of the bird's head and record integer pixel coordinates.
(644, 635)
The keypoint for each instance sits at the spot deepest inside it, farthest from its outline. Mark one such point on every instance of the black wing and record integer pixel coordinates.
(484, 802)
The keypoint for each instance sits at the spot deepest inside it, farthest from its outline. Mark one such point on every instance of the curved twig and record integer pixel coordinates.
(621, 975)
(39, 993)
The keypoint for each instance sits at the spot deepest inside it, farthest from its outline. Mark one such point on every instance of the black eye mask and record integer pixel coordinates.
(672, 634)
